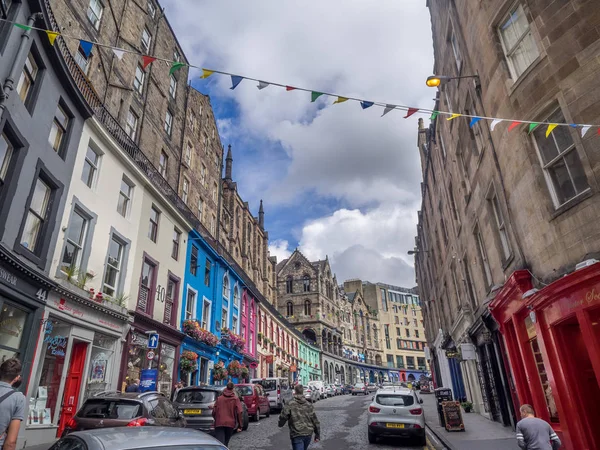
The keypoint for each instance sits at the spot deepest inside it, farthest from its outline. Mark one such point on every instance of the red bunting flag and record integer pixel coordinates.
(147, 60)
(513, 125)
(410, 112)
(289, 88)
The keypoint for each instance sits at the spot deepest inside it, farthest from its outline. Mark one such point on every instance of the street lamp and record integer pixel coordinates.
(439, 80)
(417, 250)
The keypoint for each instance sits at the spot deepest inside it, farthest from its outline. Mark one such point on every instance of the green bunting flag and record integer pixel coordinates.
(532, 126)
(23, 27)
(175, 67)
(315, 95)
(434, 115)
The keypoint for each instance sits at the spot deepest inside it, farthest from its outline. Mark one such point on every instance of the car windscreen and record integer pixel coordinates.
(245, 390)
(110, 409)
(268, 385)
(196, 396)
(395, 400)
(359, 385)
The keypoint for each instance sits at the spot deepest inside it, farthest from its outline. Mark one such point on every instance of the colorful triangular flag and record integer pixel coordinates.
(315, 95)
(585, 129)
(474, 120)
(514, 125)
(290, 88)
(118, 53)
(23, 27)
(454, 116)
(551, 127)
(366, 105)
(494, 123)
(262, 84)
(52, 35)
(235, 80)
(434, 114)
(340, 100)
(207, 73)
(532, 126)
(387, 109)
(86, 46)
(175, 67)
(410, 112)
(147, 60)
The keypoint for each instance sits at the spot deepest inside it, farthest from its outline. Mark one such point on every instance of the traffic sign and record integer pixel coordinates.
(150, 355)
(153, 340)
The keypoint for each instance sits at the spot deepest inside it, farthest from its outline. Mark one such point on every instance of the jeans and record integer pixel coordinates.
(301, 442)
(223, 435)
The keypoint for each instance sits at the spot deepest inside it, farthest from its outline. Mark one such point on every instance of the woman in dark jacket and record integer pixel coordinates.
(227, 414)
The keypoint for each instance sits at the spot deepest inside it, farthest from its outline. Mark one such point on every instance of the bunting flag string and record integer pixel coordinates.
(87, 46)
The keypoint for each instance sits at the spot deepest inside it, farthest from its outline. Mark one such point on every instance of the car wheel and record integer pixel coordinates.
(269, 412)
(246, 422)
(372, 438)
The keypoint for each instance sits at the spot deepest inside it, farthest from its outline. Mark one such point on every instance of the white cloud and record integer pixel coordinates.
(280, 248)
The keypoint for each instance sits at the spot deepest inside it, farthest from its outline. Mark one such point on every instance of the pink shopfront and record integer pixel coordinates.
(248, 330)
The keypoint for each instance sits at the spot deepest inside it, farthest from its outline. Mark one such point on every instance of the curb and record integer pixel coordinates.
(443, 440)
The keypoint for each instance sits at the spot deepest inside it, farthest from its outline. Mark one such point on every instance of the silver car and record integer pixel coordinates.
(127, 438)
(311, 394)
(396, 413)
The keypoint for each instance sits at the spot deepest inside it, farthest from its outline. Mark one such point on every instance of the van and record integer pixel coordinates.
(319, 386)
(279, 390)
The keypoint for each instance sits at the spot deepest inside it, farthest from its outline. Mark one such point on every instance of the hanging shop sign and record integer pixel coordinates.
(452, 354)
(468, 351)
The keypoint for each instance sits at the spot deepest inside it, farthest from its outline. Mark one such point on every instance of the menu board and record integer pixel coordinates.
(453, 416)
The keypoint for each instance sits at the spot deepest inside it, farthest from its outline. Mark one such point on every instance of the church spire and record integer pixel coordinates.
(261, 216)
(228, 164)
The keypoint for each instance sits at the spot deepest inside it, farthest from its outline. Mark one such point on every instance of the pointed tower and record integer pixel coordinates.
(261, 216)
(228, 164)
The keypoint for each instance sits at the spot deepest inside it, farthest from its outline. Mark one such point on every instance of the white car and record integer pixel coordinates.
(312, 395)
(319, 386)
(396, 413)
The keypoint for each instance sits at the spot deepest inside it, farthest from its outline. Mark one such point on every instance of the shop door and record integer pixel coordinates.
(584, 388)
(72, 385)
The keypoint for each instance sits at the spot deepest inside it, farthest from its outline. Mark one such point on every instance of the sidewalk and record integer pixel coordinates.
(480, 433)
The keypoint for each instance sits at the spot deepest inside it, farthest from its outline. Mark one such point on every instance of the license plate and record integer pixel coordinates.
(394, 425)
(192, 411)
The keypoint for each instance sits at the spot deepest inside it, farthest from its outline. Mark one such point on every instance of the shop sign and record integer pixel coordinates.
(148, 380)
(452, 416)
(57, 344)
(293, 368)
(67, 307)
(269, 359)
(590, 297)
(450, 354)
(468, 352)
(7, 277)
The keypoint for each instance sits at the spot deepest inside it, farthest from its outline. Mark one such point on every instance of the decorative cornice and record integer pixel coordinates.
(41, 279)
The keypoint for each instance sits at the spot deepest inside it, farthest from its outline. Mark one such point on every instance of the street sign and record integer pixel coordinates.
(153, 340)
(150, 355)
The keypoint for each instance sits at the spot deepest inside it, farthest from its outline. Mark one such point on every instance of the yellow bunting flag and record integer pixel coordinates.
(52, 36)
(340, 100)
(207, 73)
(551, 127)
(454, 116)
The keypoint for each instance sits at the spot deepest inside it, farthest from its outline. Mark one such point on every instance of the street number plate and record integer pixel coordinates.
(192, 411)
(394, 425)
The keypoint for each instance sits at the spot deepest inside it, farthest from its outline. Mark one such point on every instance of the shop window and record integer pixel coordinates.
(136, 356)
(12, 326)
(44, 401)
(166, 365)
(101, 361)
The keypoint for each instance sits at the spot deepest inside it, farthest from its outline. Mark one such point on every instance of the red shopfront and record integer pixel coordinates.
(552, 338)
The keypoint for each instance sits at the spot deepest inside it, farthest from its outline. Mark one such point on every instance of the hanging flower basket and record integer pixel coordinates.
(188, 361)
(245, 372)
(234, 369)
(193, 329)
(233, 341)
(219, 372)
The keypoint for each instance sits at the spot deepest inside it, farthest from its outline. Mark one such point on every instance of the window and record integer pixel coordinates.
(153, 224)
(290, 309)
(94, 13)
(483, 257)
(456, 50)
(214, 192)
(289, 285)
(398, 332)
(410, 362)
(415, 321)
(306, 283)
(131, 125)
(138, 81)
(236, 296)
(112, 272)
(396, 320)
(6, 153)
(90, 167)
(147, 282)
(398, 343)
(75, 239)
(213, 226)
(234, 326)
(58, 130)
(173, 86)
(500, 225)
(400, 361)
(146, 39)
(207, 267)
(28, 78)
(421, 363)
(384, 300)
(124, 197)
(190, 304)
(188, 155)
(518, 43)
(168, 122)
(417, 334)
(177, 56)
(82, 59)
(562, 167)
(176, 239)
(206, 143)
(205, 314)
(163, 164)
(200, 208)
(203, 180)
(185, 190)
(407, 332)
(37, 215)
(194, 260)
(307, 308)
(468, 283)
(5, 6)
(226, 286)
(224, 318)
(152, 10)
(171, 302)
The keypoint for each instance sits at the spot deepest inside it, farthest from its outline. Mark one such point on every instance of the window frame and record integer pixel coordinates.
(150, 301)
(153, 225)
(509, 52)
(20, 146)
(129, 130)
(125, 179)
(207, 272)
(483, 258)
(146, 43)
(83, 60)
(65, 130)
(126, 246)
(190, 313)
(206, 321)
(163, 164)
(194, 256)
(96, 24)
(86, 247)
(168, 123)
(95, 167)
(151, 9)
(176, 282)
(138, 81)
(200, 208)
(176, 244)
(34, 89)
(500, 228)
(185, 190)
(173, 86)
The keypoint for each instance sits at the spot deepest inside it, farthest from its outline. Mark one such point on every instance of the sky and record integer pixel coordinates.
(336, 180)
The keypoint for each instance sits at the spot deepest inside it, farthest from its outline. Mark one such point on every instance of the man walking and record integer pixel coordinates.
(134, 386)
(227, 414)
(534, 433)
(301, 419)
(12, 403)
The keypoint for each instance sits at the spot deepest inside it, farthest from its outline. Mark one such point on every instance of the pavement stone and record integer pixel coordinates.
(480, 433)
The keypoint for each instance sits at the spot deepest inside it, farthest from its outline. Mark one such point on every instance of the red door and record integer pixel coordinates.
(72, 385)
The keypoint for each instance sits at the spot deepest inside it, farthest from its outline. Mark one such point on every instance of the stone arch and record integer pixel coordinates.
(342, 375)
(310, 335)
(331, 373)
(289, 310)
(326, 372)
(411, 377)
(307, 307)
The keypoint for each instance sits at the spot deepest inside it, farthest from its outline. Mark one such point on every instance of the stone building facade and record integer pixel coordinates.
(505, 214)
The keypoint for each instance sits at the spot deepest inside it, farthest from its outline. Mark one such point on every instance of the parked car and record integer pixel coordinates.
(330, 390)
(338, 389)
(256, 399)
(347, 389)
(196, 403)
(116, 409)
(319, 386)
(125, 438)
(312, 395)
(279, 390)
(359, 389)
(372, 387)
(396, 413)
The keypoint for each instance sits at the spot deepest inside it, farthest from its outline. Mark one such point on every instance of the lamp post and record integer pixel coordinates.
(439, 80)
(417, 250)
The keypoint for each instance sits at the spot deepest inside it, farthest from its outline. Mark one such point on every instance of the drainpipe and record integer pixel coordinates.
(16, 67)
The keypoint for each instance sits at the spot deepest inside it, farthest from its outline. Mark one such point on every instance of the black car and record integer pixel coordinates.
(196, 404)
(116, 409)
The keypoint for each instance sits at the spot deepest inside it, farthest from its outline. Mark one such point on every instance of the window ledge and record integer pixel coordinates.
(579, 198)
(516, 83)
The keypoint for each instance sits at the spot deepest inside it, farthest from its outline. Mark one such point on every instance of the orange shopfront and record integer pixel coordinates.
(552, 338)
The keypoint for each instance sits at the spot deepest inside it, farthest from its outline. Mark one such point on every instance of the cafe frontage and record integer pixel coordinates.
(552, 339)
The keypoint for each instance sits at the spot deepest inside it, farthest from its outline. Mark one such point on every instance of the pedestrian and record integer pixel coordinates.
(301, 419)
(175, 390)
(227, 414)
(534, 433)
(12, 403)
(134, 386)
